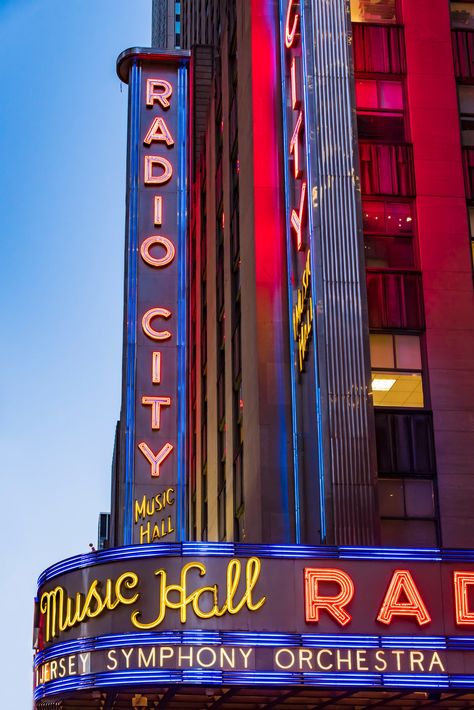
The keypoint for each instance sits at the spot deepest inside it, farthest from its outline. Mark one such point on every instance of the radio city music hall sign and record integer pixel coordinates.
(155, 310)
(315, 602)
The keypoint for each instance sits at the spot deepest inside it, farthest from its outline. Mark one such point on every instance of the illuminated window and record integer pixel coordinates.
(397, 389)
(462, 15)
(388, 234)
(380, 109)
(374, 11)
(400, 352)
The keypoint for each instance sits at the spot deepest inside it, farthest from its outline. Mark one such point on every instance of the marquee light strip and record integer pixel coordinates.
(228, 549)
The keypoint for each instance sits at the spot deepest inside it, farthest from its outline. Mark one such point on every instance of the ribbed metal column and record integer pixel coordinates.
(342, 322)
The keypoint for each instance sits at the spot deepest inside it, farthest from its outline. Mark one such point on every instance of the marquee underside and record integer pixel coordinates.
(180, 697)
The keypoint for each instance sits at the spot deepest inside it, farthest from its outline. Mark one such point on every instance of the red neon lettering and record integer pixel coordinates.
(161, 241)
(158, 211)
(156, 368)
(158, 131)
(146, 324)
(149, 177)
(295, 146)
(462, 582)
(335, 604)
(295, 99)
(290, 34)
(401, 585)
(158, 90)
(297, 218)
(155, 460)
(156, 404)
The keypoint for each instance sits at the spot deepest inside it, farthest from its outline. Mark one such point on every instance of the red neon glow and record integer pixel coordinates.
(164, 242)
(156, 368)
(295, 146)
(156, 403)
(334, 605)
(158, 90)
(151, 161)
(159, 132)
(295, 99)
(297, 218)
(146, 324)
(402, 585)
(158, 211)
(462, 582)
(155, 460)
(290, 34)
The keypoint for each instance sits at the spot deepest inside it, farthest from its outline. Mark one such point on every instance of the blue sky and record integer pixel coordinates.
(62, 187)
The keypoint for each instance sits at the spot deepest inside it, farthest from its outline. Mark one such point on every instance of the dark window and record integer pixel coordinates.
(468, 165)
(386, 169)
(463, 53)
(378, 49)
(408, 533)
(466, 112)
(405, 444)
(395, 300)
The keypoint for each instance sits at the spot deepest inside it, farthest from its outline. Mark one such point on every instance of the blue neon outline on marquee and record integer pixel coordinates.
(132, 260)
(239, 549)
(261, 678)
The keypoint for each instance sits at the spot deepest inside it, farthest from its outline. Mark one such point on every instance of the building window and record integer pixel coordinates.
(386, 169)
(378, 49)
(400, 352)
(397, 389)
(394, 300)
(407, 509)
(374, 11)
(466, 113)
(405, 443)
(380, 109)
(462, 15)
(388, 234)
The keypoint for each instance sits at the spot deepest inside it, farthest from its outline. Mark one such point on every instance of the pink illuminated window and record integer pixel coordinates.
(380, 114)
(376, 94)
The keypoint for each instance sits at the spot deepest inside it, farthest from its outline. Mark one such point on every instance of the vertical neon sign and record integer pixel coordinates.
(307, 431)
(154, 401)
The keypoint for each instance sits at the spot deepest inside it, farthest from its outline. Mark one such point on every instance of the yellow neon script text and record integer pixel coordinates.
(185, 598)
(303, 314)
(62, 612)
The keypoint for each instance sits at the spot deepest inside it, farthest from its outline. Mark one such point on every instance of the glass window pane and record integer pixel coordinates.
(373, 216)
(399, 218)
(408, 354)
(373, 11)
(408, 533)
(389, 252)
(392, 389)
(471, 220)
(390, 94)
(383, 126)
(466, 99)
(391, 498)
(419, 499)
(462, 15)
(381, 351)
(366, 94)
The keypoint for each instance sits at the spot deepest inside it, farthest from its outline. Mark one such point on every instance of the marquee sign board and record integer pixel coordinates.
(258, 614)
(154, 394)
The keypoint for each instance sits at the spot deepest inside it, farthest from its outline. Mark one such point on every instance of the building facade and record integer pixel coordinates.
(292, 487)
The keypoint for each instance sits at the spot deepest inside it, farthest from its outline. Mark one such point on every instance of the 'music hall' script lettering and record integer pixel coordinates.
(62, 612)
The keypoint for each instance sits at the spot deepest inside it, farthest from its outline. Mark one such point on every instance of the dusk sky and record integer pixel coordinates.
(62, 186)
